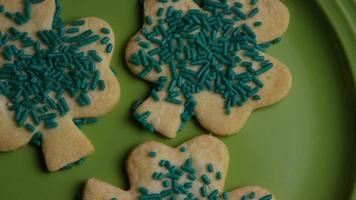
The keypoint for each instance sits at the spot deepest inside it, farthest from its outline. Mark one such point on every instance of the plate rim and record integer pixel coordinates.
(340, 14)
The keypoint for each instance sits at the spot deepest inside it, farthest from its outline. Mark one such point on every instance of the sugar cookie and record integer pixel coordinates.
(195, 170)
(52, 77)
(206, 59)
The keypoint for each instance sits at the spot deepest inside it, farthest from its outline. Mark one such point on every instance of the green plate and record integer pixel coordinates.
(302, 148)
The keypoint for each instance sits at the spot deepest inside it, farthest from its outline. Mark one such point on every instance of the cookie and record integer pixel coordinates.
(206, 59)
(196, 170)
(53, 78)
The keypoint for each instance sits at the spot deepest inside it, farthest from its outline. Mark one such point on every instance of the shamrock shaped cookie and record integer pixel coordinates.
(206, 59)
(52, 77)
(195, 170)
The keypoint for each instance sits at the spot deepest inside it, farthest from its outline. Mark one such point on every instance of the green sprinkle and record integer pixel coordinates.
(67, 167)
(160, 12)
(50, 124)
(203, 191)
(37, 139)
(30, 128)
(152, 154)
(9, 15)
(145, 45)
(157, 176)
(248, 30)
(253, 12)
(219, 176)
(73, 30)
(37, 1)
(165, 183)
(256, 98)
(154, 95)
(137, 39)
(267, 197)
(78, 23)
(84, 121)
(136, 104)
(192, 177)
(257, 24)
(101, 85)
(276, 41)
(252, 195)
(173, 100)
(149, 20)
(183, 149)
(143, 190)
(205, 179)
(239, 13)
(253, 2)
(142, 118)
(105, 40)
(88, 40)
(210, 168)
(225, 195)
(81, 161)
(105, 30)
(109, 48)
